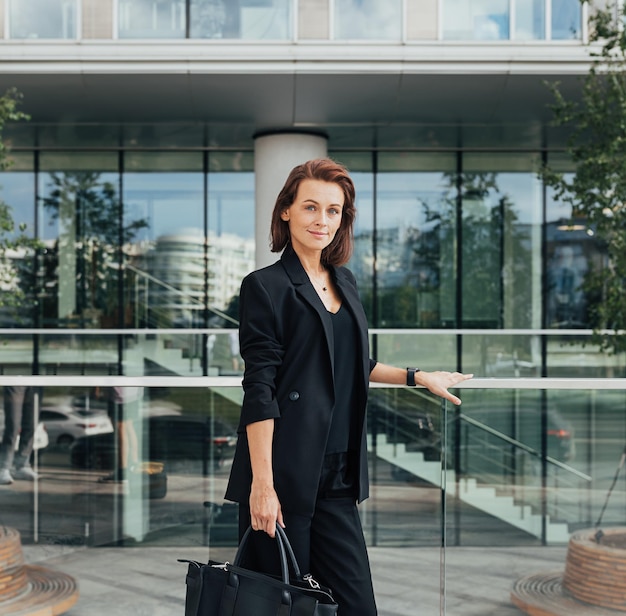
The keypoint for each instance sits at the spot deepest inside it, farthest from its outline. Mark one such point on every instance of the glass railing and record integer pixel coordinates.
(484, 492)
(507, 353)
(500, 353)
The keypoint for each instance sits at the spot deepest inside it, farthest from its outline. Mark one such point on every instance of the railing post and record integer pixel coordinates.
(544, 468)
(457, 474)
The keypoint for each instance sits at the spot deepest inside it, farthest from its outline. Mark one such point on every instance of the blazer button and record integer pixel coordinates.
(293, 396)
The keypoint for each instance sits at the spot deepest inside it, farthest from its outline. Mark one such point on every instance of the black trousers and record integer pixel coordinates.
(329, 545)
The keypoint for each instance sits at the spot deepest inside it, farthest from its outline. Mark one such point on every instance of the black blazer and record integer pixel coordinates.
(286, 341)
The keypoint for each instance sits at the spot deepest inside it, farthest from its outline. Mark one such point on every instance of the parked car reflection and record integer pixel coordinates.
(167, 438)
(41, 435)
(65, 425)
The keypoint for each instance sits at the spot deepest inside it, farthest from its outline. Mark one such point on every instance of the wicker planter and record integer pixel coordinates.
(595, 570)
(30, 590)
(594, 583)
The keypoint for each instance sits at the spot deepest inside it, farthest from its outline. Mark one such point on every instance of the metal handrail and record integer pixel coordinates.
(519, 445)
(492, 431)
(235, 381)
(177, 291)
(371, 331)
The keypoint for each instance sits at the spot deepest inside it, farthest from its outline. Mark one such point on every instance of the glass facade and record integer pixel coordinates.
(151, 239)
(43, 19)
(160, 239)
(497, 20)
(368, 19)
(151, 19)
(272, 20)
(566, 20)
(501, 231)
(78, 213)
(205, 19)
(530, 20)
(415, 240)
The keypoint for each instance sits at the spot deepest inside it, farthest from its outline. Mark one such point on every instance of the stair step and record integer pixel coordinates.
(484, 497)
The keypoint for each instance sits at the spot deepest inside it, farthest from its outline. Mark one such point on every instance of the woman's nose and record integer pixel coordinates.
(321, 219)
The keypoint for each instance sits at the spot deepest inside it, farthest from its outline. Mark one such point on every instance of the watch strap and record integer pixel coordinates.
(410, 376)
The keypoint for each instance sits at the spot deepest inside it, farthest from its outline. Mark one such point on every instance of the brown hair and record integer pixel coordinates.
(339, 251)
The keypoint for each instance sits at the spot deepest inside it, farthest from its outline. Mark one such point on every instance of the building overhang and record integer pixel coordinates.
(290, 85)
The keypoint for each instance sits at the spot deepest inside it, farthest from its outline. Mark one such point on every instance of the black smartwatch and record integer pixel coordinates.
(410, 376)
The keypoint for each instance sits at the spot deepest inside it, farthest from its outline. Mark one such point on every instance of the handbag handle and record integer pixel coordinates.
(282, 536)
(285, 552)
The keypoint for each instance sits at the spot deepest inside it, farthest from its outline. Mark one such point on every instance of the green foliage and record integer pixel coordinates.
(92, 204)
(12, 237)
(596, 191)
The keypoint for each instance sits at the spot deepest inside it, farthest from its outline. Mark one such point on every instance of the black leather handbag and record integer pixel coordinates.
(224, 589)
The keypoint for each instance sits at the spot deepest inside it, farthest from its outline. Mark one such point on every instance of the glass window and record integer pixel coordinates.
(484, 20)
(211, 19)
(489, 19)
(571, 250)
(164, 249)
(530, 20)
(152, 18)
(415, 240)
(19, 134)
(17, 191)
(42, 19)
(17, 201)
(361, 264)
(368, 19)
(246, 19)
(79, 214)
(78, 135)
(501, 241)
(231, 242)
(164, 135)
(362, 261)
(566, 19)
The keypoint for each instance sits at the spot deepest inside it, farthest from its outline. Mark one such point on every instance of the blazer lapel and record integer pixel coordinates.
(353, 301)
(305, 289)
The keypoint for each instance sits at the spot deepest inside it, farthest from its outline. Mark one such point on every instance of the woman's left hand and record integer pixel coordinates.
(440, 381)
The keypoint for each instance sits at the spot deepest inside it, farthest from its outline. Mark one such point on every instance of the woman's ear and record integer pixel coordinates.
(284, 215)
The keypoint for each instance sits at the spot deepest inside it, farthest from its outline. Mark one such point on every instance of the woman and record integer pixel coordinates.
(301, 458)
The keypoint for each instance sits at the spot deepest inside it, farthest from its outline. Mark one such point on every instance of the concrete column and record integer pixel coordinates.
(275, 155)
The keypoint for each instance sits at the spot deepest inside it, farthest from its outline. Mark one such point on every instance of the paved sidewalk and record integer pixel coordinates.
(150, 582)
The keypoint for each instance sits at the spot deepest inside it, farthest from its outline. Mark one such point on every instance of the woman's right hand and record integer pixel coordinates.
(265, 510)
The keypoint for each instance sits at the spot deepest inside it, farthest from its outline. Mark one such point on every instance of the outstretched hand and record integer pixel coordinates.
(440, 381)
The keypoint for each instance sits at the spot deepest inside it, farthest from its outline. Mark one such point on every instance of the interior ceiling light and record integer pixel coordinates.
(571, 227)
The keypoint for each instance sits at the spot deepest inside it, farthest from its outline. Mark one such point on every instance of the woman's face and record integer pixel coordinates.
(315, 215)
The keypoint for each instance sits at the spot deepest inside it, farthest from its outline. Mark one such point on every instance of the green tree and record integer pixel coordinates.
(596, 190)
(89, 206)
(14, 237)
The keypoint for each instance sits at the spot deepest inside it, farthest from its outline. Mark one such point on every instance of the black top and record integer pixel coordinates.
(343, 425)
(339, 472)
